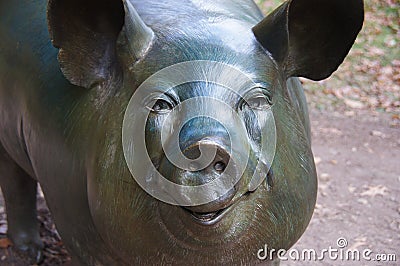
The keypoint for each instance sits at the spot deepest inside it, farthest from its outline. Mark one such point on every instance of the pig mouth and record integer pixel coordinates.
(208, 218)
(211, 218)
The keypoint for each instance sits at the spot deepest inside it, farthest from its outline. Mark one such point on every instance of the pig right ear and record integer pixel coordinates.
(86, 34)
(311, 38)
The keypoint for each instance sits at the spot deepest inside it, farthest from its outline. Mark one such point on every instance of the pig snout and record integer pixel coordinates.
(213, 170)
(206, 145)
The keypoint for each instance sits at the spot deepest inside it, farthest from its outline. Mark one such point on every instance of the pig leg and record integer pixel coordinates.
(19, 192)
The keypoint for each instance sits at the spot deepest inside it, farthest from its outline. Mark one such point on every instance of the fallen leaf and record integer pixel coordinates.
(366, 145)
(360, 241)
(373, 191)
(325, 177)
(363, 201)
(351, 188)
(354, 104)
(334, 162)
(377, 133)
(5, 243)
(331, 130)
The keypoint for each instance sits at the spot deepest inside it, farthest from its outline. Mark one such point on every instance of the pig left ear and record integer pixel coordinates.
(311, 38)
(86, 34)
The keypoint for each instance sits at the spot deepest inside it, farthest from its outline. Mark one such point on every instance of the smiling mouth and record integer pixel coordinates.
(208, 218)
(211, 218)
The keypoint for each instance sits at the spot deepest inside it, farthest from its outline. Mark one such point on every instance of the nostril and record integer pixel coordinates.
(219, 166)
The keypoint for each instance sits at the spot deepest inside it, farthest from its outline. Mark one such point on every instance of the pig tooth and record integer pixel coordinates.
(205, 216)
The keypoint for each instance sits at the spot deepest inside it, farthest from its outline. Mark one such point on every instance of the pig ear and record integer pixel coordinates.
(311, 38)
(86, 34)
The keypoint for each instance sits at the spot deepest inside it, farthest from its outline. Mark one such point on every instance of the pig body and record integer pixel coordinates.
(65, 84)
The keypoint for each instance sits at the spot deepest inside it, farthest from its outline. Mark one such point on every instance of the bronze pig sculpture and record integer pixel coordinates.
(163, 131)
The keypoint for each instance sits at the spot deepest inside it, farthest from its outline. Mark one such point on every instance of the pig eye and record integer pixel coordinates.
(258, 101)
(161, 106)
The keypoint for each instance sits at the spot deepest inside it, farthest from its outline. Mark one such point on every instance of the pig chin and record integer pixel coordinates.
(227, 227)
(259, 218)
(250, 220)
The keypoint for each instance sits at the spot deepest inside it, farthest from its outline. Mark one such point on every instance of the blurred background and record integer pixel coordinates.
(355, 117)
(369, 78)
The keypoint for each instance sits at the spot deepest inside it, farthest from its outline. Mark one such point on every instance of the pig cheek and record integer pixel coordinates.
(294, 193)
(119, 207)
(153, 138)
(292, 201)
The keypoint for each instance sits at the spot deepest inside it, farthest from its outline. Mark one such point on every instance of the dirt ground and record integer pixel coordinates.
(358, 165)
(358, 162)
